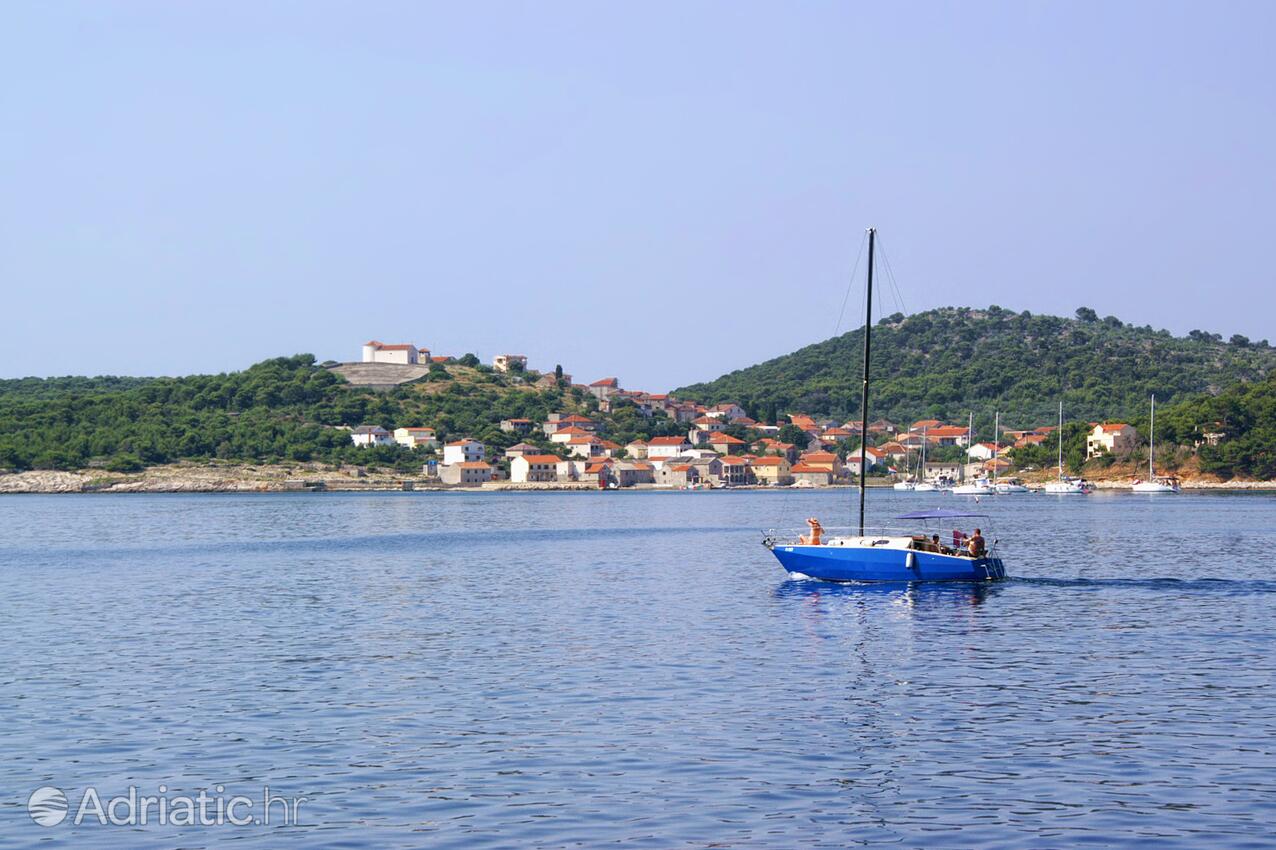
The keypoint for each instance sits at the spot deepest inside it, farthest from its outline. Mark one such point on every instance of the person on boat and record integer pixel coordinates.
(936, 546)
(975, 546)
(817, 531)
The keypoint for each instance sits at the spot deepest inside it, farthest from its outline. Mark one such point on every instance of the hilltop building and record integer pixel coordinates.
(404, 354)
(509, 362)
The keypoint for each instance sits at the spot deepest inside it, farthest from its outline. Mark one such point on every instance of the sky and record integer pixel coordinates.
(660, 191)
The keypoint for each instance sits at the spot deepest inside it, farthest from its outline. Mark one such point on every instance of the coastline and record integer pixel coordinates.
(317, 478)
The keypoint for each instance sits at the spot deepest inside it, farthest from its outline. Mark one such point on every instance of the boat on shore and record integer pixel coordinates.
(885, 555)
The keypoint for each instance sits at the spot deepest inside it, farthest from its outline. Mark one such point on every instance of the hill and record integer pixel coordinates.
(945, 362)
(285, 409)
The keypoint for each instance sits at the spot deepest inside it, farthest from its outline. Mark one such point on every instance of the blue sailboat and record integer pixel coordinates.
(886, 556)
(898, 555)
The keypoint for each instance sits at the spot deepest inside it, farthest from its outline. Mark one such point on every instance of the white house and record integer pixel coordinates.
(667, 447)
(586, 446)
(371, 435)
(416, 438)
(981, 451)
(527, 468)
(404, 354)
(463, 451)
(506, 362)
(1114, 438)
(566, 435)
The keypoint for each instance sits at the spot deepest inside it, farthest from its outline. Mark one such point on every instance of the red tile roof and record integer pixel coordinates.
(947, 431)
(606, 382)
(474, 464)
(1113, 427)
(806, 467)
(768, 461)
(542, 458)
(462, 442)
(667, 441)
(725, 439)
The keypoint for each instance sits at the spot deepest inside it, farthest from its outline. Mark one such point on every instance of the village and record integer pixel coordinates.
(722, 447)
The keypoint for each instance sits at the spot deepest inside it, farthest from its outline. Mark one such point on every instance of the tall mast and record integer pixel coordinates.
(868, 328)
(1152, 441)
(996, 443)
(970, 428)
(1060, 439)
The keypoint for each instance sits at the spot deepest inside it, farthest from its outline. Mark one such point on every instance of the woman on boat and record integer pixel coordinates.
(817, 531)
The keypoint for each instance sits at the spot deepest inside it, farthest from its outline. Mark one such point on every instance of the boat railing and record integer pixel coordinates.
(797, 536)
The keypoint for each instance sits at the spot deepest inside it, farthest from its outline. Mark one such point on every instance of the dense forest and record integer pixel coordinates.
(943, 363)
(287, 408)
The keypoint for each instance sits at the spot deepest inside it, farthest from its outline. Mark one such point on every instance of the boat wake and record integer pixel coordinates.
(1210, 585)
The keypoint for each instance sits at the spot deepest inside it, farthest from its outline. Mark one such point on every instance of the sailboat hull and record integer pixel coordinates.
(830, 563)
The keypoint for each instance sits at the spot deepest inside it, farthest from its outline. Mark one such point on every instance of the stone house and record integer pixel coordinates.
(517, 426)
(466, 474)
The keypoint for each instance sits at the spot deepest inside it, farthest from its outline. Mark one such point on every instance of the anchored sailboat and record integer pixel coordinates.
(1154, 484)
(886, 555)
(981, 486)
(1063, 485)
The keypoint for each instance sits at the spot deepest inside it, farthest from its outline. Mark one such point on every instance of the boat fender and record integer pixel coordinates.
(911, 561)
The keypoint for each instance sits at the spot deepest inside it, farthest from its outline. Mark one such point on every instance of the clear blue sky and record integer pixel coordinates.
(660, 191)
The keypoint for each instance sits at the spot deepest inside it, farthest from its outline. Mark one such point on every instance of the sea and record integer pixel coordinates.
(630, 669)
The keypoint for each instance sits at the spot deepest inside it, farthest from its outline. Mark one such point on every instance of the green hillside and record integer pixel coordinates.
(945, 362)
(285, 409)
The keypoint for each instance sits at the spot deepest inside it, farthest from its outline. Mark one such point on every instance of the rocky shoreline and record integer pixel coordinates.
(246, 478)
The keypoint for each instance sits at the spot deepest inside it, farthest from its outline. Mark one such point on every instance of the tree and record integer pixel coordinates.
(1086, 314)
(469, 359)
(791, 433)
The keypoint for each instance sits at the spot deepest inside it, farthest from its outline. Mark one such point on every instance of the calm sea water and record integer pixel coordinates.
(549, 670)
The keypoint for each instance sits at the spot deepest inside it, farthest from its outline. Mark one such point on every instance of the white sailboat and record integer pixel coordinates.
(922, 485)
(1164, 484)
(907, 484)
(1010, 485)
(980, 486)
(1063, 485)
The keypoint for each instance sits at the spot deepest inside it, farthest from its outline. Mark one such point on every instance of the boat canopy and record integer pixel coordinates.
(939, 513)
